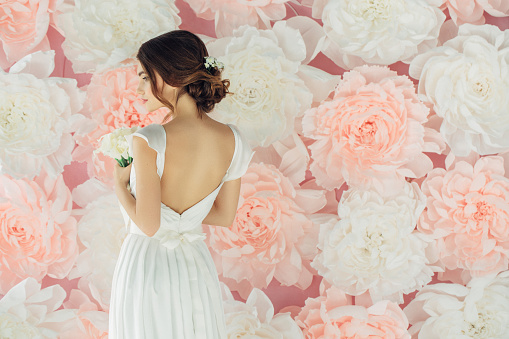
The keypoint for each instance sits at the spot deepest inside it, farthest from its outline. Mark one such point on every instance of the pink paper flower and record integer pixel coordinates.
(468, 216)
(332, 315)
(231, 14)
(23, 28)
(27, 311)
(38, 233)
(472, 11)
(112, 102)
(370, 133)
(272, 235)
(92, 323)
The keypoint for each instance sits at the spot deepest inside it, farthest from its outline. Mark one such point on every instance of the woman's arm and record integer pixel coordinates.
(145, 211)
(225, 206)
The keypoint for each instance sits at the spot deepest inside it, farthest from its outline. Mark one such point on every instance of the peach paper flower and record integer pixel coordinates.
(231, 14)
(472, 11)
(272, 235)
(468, 216)
(371, 133)
(112, 102)
(38, 233)
(91, 322)
(23, 28)
(332, 315)
(27, 311)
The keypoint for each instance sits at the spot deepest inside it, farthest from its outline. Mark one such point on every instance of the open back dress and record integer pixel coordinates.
(166, 286)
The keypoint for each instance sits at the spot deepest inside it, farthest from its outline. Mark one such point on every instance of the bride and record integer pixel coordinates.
(185, 172)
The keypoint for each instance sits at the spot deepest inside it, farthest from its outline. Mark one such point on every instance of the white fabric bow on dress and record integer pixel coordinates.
(172, 239)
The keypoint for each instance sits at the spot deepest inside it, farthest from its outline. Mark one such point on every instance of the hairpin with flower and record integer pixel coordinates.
(211, 62)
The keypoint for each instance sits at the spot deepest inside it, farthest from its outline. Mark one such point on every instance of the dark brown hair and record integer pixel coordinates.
(179, 58)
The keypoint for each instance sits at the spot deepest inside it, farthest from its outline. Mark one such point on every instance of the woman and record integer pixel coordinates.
(185, 173)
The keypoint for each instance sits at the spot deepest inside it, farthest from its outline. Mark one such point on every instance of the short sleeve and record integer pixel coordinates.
(241, 157)
(155, 136)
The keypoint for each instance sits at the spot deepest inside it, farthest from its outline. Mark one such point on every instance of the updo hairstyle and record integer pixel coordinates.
(179, 58)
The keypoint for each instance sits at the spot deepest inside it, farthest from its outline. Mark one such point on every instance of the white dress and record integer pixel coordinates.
(166, 286)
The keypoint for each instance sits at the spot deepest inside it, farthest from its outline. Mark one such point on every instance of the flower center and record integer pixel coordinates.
(484, 212)
(127, 26)
(367, 132)
(12, 327)
(373, 10)
(11, 115)
(373, 241)
(482, 86)
(480, 328)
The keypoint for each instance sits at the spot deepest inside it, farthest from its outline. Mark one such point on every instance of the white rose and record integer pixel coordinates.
(100, 34)
(379, 32)
(37, 117)
(255, 318)
(449, 311)
(467, 82)
(114, 144)
(101, 230)
(268, 81)
(374, 247)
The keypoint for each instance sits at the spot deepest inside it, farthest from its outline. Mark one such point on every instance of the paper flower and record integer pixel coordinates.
(449, 311)
(23, 28)
(373, 247)
(466, 81)
(231, 14)
(267, 81)
(101, 34)
(378, 32)
(91, 322)
(371, 134)
(256, 319)
(112, 103)
(37, 116)
(332, 315)
(272, 235)
(472, 11)
(27, 311)
(101, 231)
(38, 233)
(468, 216)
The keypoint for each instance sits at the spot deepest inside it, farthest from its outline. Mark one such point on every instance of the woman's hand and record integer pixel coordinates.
(122, 174)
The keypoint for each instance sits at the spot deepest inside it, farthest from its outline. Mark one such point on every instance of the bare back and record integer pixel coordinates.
(197, 157)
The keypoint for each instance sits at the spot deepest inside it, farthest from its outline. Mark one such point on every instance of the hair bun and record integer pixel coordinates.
(208, 93)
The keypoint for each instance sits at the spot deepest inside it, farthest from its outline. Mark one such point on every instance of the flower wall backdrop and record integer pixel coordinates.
(377, 201)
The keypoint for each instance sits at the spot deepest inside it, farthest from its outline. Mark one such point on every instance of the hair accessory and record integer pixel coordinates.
(211, 62)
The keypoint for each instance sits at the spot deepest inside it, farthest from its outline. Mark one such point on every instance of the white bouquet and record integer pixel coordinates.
(115, 145)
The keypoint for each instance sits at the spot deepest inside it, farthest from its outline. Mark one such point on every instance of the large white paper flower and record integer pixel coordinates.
(100, 34)
(101, 231)
(37, 117)
(450, 311)
(26, 311)
(467, 82)
(378, 32)
(268, 81)
(374, 247)
(256, 319)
